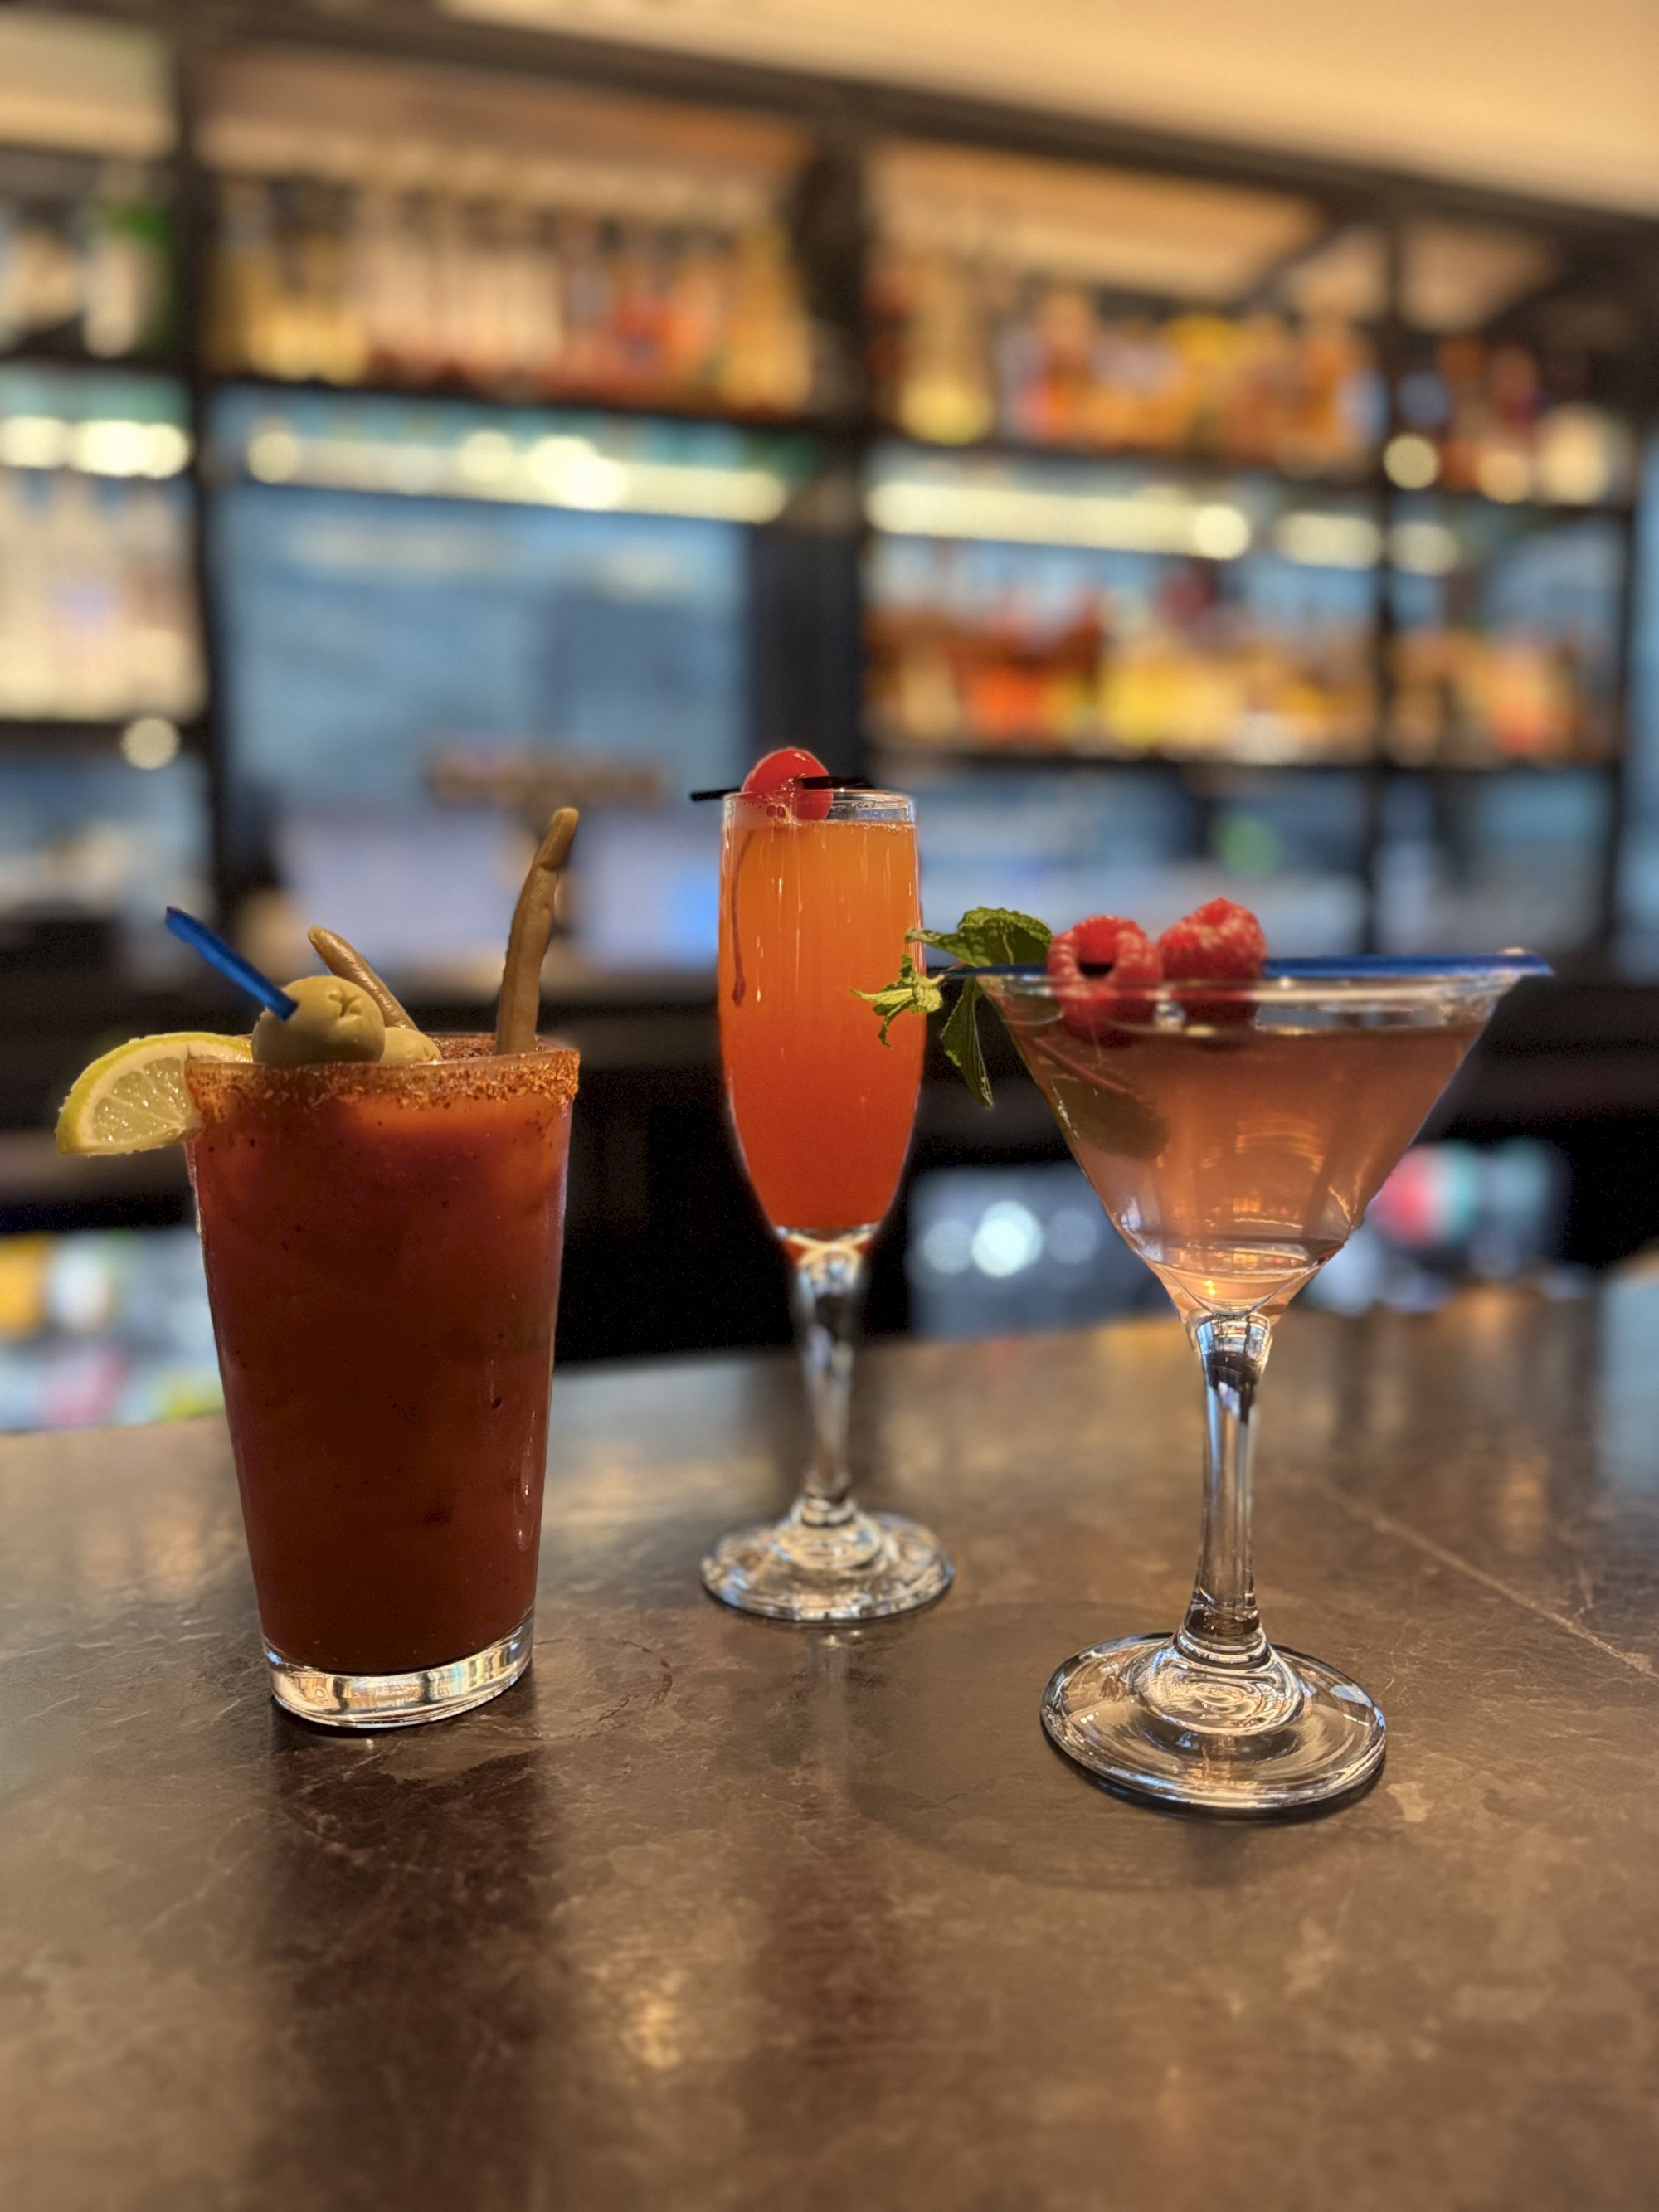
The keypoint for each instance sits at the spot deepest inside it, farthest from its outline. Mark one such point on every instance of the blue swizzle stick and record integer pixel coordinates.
(229, 961)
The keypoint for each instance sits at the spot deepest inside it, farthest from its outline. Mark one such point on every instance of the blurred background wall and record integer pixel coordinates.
(1192, 451)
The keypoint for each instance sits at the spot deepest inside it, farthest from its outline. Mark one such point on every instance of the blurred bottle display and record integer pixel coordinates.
(101, 1326)
(363, 287)
(961, 354)
(94, 847)
(1511, 422)
(1470, 864)
(364, 238)
(450, 617)
(1076, 608)
(1091, 607)
(86, 243)
(1514, 384)
(1140, 840)
(1506, 635)
(987, 648)
(1061, 305)
(97, 617)
(84, 267)
(1638, 858)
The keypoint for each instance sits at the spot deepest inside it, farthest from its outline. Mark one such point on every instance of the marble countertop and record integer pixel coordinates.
(712, 1914)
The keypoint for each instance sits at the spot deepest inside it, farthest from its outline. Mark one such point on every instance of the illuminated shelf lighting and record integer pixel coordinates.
(1158, 522)
(1151, 522)
(101, 447)
(560, 471)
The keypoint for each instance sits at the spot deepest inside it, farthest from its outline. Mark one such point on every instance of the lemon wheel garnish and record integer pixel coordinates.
(135, 1098)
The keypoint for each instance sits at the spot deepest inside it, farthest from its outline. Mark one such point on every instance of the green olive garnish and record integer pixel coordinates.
(333, 1020)
(403, 1046)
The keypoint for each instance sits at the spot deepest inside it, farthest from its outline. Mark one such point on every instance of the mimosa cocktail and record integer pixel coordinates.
(818, 889)
(811, 912)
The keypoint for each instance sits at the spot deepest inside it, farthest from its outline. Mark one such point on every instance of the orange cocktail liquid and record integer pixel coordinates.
(812, 912)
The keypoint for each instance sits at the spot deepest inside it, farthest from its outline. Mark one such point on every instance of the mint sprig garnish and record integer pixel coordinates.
(911, 990)
(985, 937)
(991, 937)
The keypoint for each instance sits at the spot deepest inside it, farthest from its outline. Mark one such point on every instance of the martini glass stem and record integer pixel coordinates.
(1222, 1628)
(828, 1294)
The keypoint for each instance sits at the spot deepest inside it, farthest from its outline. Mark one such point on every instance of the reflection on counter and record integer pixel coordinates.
(104, 1326)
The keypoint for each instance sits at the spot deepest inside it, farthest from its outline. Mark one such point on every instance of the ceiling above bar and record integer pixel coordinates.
(1535, 97)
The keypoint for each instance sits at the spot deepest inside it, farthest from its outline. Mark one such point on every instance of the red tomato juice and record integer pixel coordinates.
(382, 1248)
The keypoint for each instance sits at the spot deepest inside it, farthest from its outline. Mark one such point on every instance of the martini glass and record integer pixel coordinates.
(1235, 1133)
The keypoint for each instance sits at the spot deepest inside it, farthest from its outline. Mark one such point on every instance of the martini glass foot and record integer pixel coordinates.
(867, 1566)
(1144, 1717)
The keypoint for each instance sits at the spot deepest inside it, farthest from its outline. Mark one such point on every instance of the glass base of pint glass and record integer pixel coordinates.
(406, 1700)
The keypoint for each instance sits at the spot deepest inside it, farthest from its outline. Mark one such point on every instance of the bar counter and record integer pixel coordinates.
(710, 1913)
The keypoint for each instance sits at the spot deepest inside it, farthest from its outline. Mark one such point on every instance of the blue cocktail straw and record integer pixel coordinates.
(229, 961)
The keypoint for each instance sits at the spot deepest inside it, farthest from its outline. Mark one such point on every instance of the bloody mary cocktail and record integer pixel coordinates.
(382, 1244)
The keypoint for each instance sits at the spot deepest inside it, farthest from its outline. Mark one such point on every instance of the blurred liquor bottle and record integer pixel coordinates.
(350, 283)
(1169, 666)
(961, 351)
(89, 272)
(97, 612)
(1504, 421)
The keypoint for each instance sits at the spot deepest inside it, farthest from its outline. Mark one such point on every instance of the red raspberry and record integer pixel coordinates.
(1218, 943)
(1096, 959)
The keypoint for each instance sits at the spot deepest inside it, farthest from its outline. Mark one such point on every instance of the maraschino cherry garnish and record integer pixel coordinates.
(778, 777)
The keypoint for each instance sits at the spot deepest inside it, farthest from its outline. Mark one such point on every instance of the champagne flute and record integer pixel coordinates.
(818, 889)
